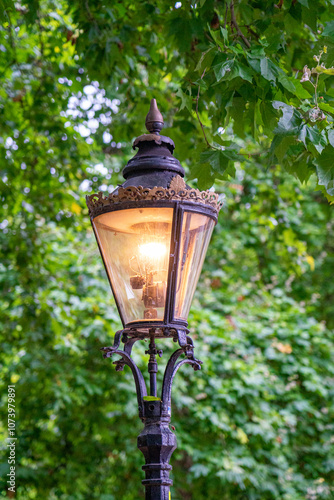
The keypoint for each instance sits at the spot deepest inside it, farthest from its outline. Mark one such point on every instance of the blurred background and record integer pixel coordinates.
(257, 422)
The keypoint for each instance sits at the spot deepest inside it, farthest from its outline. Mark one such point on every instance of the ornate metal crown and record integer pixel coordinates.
(177, 190)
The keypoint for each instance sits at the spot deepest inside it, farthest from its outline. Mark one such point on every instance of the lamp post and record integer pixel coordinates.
(153, 232)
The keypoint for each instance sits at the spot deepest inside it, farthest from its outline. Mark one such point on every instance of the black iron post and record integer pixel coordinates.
(156, 441)
(153, 365)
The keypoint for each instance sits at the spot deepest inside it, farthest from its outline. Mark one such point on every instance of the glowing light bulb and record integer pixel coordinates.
(153, 250)
(151, 276)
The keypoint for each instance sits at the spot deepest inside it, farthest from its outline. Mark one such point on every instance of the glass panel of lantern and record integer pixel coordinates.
(135, 245)
(195, 236)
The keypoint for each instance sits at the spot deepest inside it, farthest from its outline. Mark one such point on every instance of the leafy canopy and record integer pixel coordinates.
(238, 80)
(252, 81)
(76, 79)
(240, 70)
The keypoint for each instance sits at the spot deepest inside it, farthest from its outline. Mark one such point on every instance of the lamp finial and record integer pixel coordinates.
(154, 119)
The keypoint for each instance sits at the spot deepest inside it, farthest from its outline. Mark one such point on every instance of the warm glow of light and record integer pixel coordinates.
(153, 250)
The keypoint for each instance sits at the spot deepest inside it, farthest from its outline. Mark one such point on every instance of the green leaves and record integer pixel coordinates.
(205, 59)
(232, 69)
(331, 137)
(6, 6)
(221, 162)
(296, 159)
(287, 83)
(220, 70)
(325, 169)
(186, 100)
(174, 50)
(290, 121)
(329, 30)
(219, 159)
(268, 69)
(249, 83)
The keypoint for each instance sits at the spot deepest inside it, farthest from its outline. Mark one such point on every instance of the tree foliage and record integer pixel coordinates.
(236, 86)
(252, 81)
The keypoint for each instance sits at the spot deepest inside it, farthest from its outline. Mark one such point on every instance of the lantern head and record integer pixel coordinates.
(153, 232)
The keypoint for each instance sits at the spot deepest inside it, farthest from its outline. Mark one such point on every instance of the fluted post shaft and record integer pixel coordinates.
(157, 443)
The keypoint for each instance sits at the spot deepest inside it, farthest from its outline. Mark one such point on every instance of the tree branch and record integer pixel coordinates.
(236, 26)
(249, 29)
(197, 113)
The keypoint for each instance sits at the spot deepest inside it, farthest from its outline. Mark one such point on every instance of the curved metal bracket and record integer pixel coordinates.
(127, 360)
(117, 341)
(171, 370)
(128, 344)
(173, 365)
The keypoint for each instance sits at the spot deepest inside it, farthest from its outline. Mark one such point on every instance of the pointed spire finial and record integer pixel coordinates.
(154, 119)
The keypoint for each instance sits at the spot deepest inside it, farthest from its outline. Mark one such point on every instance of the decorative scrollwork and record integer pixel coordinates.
(127, 360)
(172, 368)
(177, 190)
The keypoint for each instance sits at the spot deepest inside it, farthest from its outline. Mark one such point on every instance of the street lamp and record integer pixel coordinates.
(153, 232)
